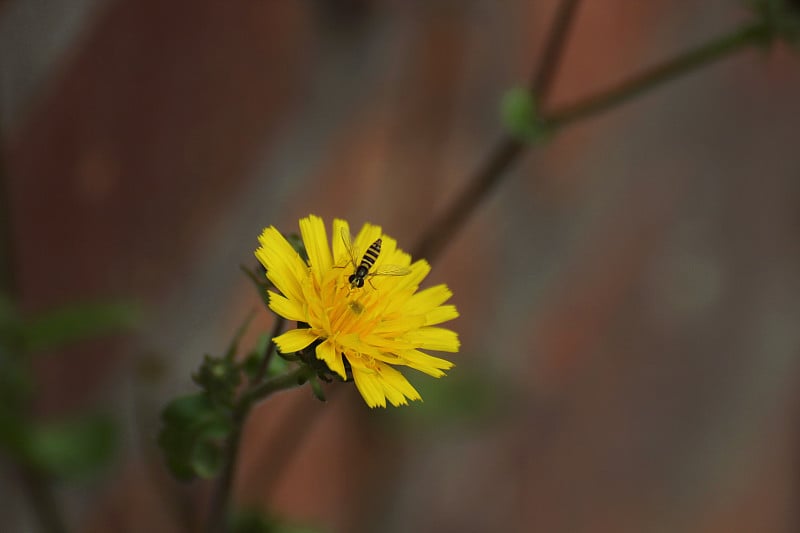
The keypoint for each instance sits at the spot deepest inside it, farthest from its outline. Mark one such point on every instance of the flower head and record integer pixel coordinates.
(362, 323)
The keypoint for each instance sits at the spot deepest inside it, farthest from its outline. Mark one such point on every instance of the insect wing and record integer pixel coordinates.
(346, 240)
(391, 270)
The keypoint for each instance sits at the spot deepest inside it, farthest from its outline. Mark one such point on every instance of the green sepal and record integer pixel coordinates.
(219, 378)
(316, 388)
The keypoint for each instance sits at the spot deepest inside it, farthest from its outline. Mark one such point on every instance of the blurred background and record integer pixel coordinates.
(629, 297)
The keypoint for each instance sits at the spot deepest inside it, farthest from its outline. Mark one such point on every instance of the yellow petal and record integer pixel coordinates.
(396, 327)
(341, 255)
(315, 239)
(294, 340)
(443, 313)
(284, 266)
(427, 299)
(433, 338)
(367, 384)
(395, 386)
(327, 352)
(288, 309)
(423, 362)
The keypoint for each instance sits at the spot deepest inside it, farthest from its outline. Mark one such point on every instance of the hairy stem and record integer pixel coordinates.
(276, 330)
(220, 501)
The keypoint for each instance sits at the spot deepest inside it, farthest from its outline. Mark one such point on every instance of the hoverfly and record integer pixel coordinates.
(362, 268)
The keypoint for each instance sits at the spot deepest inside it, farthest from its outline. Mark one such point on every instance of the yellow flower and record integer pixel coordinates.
(369, 329)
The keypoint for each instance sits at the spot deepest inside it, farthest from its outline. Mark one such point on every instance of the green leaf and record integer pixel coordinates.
(192, 426)
(207, 458)
(186, 410)
(520, 114)
(78, 322)
(72, 448)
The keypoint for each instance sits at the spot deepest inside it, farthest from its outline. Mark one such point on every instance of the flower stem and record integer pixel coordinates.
(753, 33)
(507, 150)
(277, 327)
(220, 502)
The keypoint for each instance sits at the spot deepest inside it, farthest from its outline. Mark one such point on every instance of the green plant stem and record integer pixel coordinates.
(276, 330)
(542, 83)
(749, 34)
(220, 502)
(507, 150)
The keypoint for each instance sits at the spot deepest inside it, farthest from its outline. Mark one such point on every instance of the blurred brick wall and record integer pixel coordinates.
(626, 297)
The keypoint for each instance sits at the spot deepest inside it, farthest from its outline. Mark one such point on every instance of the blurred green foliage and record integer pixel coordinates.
(196, 427)
(782, 17)
(67, 448)
(251, 520)
(193, 435)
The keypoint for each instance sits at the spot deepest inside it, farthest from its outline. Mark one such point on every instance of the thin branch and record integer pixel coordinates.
(505, 152)
(715, 50)
(545, 75)
(276, 330)
(508, 149)
(220, 500)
